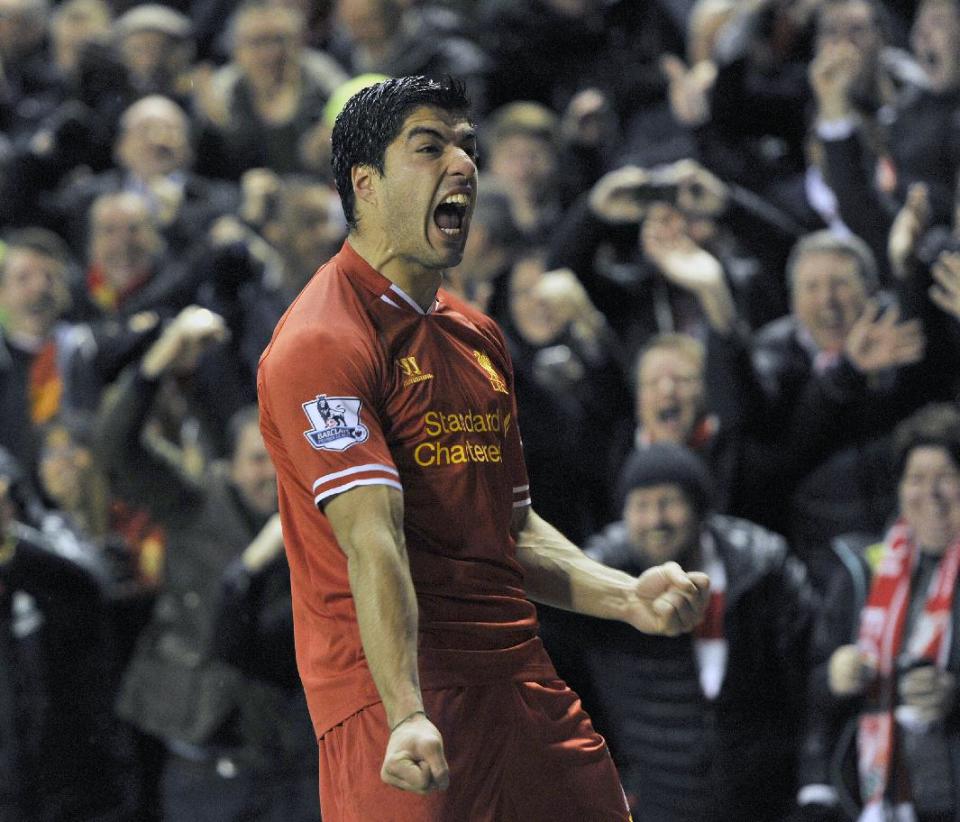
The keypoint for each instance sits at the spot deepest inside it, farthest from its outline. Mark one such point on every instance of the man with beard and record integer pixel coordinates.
(409, 530)
(704, 726)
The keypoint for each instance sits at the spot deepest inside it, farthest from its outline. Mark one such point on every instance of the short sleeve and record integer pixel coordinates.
(319, 417)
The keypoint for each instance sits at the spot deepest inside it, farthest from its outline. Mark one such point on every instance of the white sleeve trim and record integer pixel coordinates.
(353, 484)
(370, 466)
(518, 488)
(830, 130)
(522, 502)
(817, 795)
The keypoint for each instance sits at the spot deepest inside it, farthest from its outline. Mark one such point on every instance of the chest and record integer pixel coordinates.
(446, 386)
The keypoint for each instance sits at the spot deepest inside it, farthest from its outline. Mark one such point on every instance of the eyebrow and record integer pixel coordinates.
(420, 131)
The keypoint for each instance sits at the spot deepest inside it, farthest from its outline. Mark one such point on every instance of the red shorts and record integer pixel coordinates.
(517, 751)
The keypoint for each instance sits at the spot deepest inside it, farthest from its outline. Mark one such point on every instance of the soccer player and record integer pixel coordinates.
(406, 515)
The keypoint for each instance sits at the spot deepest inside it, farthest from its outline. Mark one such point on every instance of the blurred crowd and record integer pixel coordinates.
(722, 238)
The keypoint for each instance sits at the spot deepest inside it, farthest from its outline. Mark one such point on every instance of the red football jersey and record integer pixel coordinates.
(360, 386)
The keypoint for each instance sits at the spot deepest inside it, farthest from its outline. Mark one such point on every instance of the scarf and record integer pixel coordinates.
(881, 637)
(44, 384)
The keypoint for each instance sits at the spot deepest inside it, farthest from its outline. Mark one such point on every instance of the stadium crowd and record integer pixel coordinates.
(722, 238)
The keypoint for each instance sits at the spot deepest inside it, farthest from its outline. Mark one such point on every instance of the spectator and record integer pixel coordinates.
(28, 80)
(704, 726)
(154, 158)
(884, 698)
(869, 165)
(522, 149)
(492, 245)
(389, 37)
(74, 26)
(226, 743)
(130, 269)
(261, 110)
(548, 50)
(46, 364)
(62, 756)
(598, 238)
(835, 355)
(156, 47)
(255, 269)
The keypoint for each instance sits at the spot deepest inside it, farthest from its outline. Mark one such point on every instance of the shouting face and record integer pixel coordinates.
(424, 199)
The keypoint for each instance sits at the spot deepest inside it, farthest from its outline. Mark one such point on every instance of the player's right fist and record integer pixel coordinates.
(414, 760)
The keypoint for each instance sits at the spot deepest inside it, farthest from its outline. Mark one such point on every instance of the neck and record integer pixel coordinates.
(418, 281)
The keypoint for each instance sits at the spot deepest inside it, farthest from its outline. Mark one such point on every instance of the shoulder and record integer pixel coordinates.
(610, 546)
(327, 317)
(762, 547)
(776, 334)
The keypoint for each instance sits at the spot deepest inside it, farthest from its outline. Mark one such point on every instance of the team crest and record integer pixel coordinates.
(336, 423)
(496, 381)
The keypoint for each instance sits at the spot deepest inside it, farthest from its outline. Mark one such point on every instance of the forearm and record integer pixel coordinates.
(386, 607)
(558, 573)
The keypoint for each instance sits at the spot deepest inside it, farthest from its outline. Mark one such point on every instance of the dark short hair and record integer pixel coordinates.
(936, 425)
(373, 118)
(666, 463)
(39, 240)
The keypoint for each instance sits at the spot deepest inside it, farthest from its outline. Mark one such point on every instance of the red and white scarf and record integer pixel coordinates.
(881, 637)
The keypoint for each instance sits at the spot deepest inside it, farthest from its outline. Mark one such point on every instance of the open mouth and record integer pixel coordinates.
(451, 213)
(669, 415)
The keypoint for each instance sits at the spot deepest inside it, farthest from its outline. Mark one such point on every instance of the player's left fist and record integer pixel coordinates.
(668, 600)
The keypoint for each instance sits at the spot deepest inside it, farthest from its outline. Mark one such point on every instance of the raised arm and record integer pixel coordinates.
(663, 600)
(368, 524)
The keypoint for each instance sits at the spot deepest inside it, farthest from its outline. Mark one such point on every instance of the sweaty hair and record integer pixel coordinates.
(936, 425)
(374, 117)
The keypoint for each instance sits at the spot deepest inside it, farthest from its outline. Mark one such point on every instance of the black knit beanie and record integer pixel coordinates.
(665, 462)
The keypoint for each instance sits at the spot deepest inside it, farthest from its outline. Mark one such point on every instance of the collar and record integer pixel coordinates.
(386, 290)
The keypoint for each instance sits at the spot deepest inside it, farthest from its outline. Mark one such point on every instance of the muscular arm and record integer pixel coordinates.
(368, 524)
(663, 600)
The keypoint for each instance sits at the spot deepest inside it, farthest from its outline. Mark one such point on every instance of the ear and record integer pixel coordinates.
(364, 179)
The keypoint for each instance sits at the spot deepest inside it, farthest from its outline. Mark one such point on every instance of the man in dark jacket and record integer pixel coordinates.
(703, 726)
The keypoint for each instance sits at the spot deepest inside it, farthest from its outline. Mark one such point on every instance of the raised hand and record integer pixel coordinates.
(945, 292)
(689, 89)
(907, 228)
(613, 197)
(414, 760)
(876, 341)
(832, 74)
(667, 600)
(181, 344)
(667, 245)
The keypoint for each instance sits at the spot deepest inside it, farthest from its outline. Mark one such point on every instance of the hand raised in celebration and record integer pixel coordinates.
(667, 600)
(876, 341)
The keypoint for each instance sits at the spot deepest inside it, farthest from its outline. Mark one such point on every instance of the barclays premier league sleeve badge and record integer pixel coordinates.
(336, 423)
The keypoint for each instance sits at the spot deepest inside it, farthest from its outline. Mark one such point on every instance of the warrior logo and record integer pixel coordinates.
(336, 423)
(495, 379)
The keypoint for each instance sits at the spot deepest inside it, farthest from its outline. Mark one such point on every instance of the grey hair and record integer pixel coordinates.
(830, 242)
